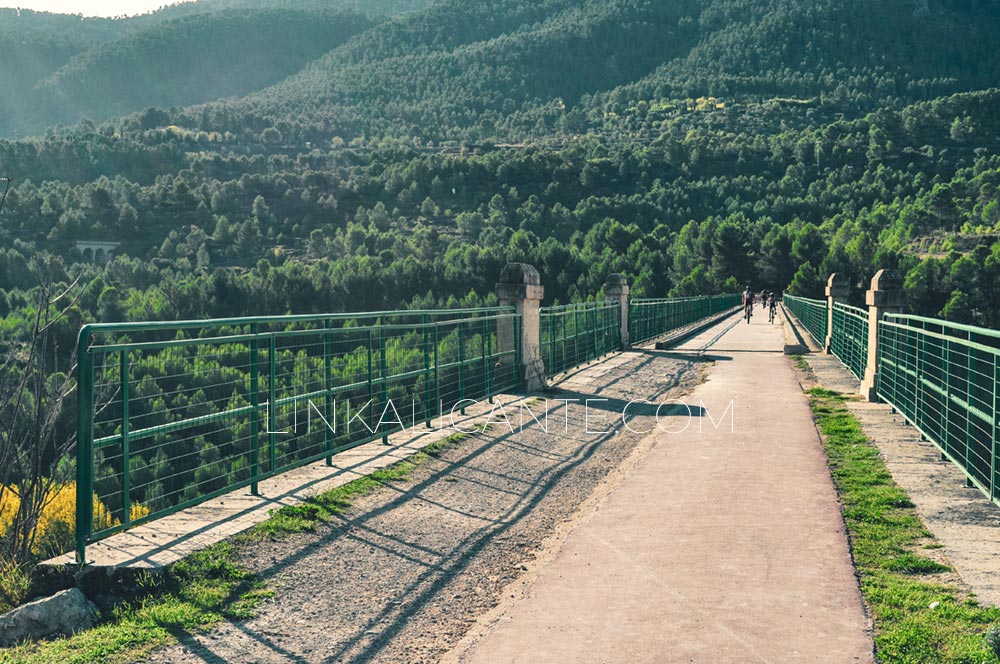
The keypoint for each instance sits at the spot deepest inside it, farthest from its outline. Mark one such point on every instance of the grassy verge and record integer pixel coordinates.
(921, 614)
(209, 586)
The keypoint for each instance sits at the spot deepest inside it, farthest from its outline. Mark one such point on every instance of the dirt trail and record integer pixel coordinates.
(404, 575)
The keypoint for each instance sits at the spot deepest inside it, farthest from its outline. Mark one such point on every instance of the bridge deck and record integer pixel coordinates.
(720, 545)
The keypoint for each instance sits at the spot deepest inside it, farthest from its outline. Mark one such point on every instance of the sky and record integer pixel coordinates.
(90, 7)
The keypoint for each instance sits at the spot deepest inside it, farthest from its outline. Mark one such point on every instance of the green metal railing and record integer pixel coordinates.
(574, 334)
(943, 378)
(849, 337)
(172, 414)
(652, 318)
(811, 313)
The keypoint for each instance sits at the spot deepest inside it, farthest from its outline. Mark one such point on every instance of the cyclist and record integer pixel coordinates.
(748, 300)
(772, 306)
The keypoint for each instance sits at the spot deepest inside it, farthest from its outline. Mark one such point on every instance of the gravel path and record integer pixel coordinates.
(409, 569)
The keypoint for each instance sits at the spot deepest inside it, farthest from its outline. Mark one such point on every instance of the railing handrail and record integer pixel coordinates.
(810, 300)
(903, 319)
(850, 309)
(657, 300)
(157, 326)
(578, 306)
(284, 334)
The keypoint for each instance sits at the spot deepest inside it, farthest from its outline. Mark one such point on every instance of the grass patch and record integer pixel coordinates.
(192, 595)
(898, 584)
(209, 586)
(800, 363)
(13, 585)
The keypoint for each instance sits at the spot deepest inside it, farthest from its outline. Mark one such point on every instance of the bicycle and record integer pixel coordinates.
(748, 311)
(771, 313)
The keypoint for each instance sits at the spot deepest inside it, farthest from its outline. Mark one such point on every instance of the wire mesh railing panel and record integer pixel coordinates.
(943, 378)
(849, 337)
(652, 318)
(574, 334)
(811, 313)
(172, 414)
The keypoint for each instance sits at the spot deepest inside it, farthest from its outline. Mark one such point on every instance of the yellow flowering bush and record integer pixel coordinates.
(54, 533)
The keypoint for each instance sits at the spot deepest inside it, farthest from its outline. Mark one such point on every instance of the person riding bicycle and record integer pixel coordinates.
(748, 299)
(772, 306)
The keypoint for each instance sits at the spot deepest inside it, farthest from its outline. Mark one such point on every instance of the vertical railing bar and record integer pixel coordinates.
(489, 364)
(461, 369)
(995, 426)
(126, 452)
(255, 408)
(437, 372)
(272, 408)
(946, 370)
(485, 328)
(517, 351)
(327, 387)
(84, 445)
(552, 345)
(427, 374)
(594, 353)
(371, 368)
(384, 375)
(969, 382)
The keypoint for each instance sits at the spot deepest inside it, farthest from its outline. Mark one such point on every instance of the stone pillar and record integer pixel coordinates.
(616, 290)
(837, 290)
(521, 287)
(885, 297)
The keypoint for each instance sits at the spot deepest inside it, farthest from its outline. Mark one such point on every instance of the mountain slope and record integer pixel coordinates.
(369, 7)
(189, 60)
(859, 52)
(449, 71)
(33, 46)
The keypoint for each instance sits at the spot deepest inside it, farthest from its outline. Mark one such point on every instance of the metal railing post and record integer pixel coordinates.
(126, 453)
(489, 366)
(272, 406)
(384, 375)
(552, 345)
(328, 392)
(994, 437)
(461, 369)
(84, 445)
(255, 409)
(427, 374)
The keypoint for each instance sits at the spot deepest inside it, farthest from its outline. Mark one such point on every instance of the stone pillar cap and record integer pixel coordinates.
(616, 279)
(886, 290)
(837, 285)
(886, 280)
(520, 273)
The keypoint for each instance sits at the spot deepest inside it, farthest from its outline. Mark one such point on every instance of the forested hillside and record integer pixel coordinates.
(190, 60)
(428, 150)
(61, 68)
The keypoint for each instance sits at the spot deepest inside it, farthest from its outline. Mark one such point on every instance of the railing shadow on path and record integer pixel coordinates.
(441, 566)
(277, 500)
